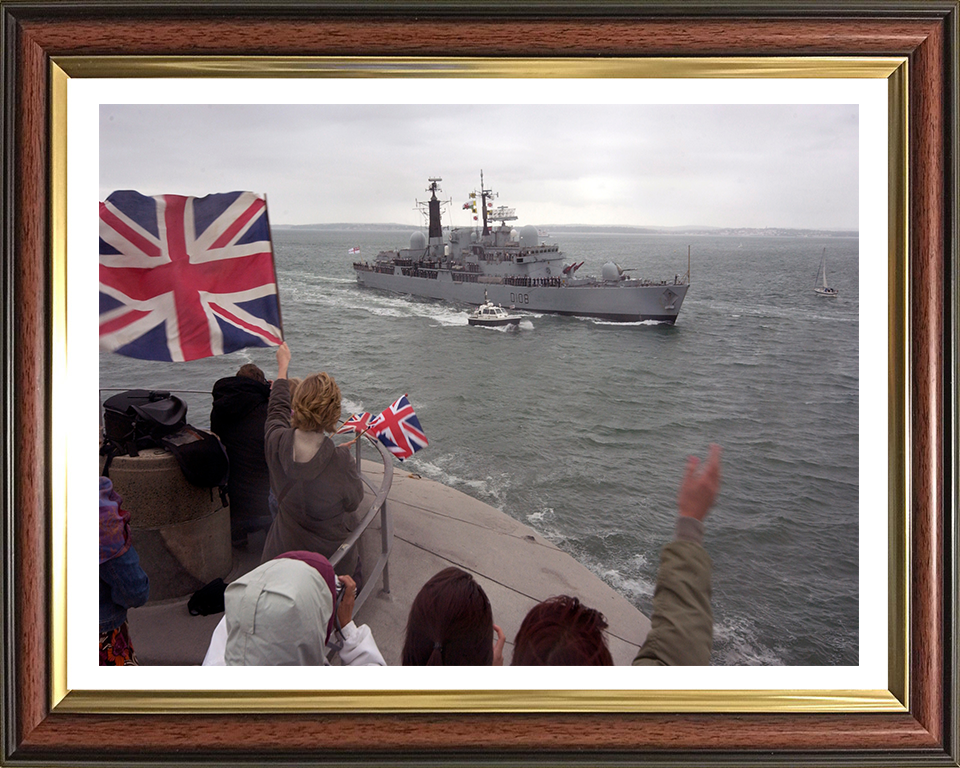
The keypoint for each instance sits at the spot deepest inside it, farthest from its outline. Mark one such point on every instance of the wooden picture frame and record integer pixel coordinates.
(36, 730)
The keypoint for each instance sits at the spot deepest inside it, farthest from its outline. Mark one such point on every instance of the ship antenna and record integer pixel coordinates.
(484, 194)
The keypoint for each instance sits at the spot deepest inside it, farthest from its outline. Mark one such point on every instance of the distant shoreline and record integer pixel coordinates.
(599, 230)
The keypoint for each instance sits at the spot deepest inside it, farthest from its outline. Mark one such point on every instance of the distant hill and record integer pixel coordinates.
(348, 227)
(701, 230)
(613, 230)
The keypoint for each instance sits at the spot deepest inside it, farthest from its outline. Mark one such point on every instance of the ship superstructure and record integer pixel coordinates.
(495, 261)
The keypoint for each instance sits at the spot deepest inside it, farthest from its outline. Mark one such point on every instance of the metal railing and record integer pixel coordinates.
(378, 507)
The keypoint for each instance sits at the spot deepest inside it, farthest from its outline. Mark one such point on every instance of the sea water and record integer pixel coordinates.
(580, 428)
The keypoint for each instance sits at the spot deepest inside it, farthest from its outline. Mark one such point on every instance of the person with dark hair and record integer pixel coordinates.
(123, 583)
(451, 624)
(316, 483)
(238, 416)
(561, 631)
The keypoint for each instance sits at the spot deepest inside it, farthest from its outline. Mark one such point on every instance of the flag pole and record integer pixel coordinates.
(361, 434)
(273, 259)
(347, 445)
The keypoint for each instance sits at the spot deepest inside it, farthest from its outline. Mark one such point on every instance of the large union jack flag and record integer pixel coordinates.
(186, 277)
(398, 428)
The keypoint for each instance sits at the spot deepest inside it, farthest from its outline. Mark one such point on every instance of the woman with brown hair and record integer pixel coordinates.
(316, 483)
(451, 624)
(562, 631)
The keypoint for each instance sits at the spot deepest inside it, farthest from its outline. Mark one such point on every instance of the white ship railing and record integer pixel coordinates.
(378, 507)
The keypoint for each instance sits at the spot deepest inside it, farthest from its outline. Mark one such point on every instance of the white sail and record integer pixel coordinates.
(824, 289)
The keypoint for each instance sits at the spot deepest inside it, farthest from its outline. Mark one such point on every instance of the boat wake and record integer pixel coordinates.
(601, 321)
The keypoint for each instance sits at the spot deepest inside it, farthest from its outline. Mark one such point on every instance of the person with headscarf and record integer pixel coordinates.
(286, 613)
(123, 583)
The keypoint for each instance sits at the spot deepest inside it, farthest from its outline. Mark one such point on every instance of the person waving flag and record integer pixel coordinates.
(182, 278)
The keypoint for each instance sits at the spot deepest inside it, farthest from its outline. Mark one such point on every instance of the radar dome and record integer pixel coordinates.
(514, 235)
(529, 237)
(418, 241)
(610, 271)
(473, 237)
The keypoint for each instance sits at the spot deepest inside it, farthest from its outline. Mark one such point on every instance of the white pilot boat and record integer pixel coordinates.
(492, 315)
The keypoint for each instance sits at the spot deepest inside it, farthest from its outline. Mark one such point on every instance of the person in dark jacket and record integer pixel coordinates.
(238, 417)
(123, 583)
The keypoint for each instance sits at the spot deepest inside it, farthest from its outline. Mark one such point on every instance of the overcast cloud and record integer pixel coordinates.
(643, 165)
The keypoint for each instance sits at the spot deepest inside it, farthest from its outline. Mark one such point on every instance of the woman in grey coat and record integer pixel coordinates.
(316, 483)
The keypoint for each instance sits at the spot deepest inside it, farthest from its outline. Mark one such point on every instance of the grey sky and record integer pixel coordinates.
(644, 165)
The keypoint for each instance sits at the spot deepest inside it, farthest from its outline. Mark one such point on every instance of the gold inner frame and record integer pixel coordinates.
(895, 699)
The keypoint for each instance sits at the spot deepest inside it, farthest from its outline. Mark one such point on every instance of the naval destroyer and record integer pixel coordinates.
(514, 268)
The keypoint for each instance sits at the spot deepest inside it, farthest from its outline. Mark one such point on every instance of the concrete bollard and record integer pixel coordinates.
(181, 532)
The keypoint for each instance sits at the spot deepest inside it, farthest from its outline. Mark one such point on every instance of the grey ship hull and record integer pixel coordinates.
(627, 301)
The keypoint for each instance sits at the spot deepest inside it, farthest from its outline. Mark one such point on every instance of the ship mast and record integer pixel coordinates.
(484, 194)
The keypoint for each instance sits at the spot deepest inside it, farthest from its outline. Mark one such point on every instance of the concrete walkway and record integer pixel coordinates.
(434, 527)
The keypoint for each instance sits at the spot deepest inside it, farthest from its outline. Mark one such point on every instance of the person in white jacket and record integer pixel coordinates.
(285, 613)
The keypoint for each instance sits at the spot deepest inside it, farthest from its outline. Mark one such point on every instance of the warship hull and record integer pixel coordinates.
(617, 303)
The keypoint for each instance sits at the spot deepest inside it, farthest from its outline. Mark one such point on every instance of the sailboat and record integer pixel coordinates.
(820, 287)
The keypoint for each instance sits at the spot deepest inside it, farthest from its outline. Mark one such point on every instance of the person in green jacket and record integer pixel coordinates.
(563, 631)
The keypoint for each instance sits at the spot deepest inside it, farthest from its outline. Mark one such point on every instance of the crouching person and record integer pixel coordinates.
(286, 613)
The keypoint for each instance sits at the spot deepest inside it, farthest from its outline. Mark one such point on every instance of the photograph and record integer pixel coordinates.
(588, 295)
(429, 361)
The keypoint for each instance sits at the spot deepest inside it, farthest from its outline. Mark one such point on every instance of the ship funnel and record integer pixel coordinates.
(433, 207)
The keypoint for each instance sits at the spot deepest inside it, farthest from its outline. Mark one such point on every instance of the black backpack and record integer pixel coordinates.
(202, 457)
(140, 418)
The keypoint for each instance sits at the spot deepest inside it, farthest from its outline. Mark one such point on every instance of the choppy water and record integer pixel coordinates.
(580, 428)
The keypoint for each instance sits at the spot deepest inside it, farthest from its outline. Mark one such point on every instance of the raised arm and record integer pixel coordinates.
(278, 407)
(283, 360)
(681, 630)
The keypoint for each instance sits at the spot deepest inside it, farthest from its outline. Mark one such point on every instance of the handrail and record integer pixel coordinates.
(379, 506)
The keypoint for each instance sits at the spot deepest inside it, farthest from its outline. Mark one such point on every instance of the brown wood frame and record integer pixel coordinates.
(925, 32)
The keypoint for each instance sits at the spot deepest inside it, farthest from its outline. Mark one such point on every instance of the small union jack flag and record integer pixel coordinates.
(398, 428)
(183, 278)
(356, 423)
